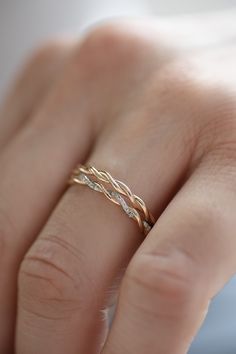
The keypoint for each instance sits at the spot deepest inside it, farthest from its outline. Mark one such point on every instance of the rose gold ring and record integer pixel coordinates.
(116, 191)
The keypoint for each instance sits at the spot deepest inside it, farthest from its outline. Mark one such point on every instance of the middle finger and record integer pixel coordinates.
(34, 170)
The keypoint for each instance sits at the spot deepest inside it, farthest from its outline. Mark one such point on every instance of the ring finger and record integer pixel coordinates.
(68, 275)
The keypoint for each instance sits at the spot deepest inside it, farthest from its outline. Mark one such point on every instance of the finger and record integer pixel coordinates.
(31, 86)
(34, 173)
(67, 278)
(86, 243)
(185, 260)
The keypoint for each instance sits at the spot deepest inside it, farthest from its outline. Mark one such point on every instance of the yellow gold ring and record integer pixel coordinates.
(116, 191)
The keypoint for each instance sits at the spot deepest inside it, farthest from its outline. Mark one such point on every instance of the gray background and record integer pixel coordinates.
(26, 23)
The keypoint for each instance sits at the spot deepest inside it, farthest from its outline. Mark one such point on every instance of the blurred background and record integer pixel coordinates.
(27, 23)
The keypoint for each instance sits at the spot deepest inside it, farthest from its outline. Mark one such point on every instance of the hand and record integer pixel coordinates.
(158, 113)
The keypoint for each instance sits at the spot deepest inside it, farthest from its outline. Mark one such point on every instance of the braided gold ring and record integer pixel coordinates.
(116, 191)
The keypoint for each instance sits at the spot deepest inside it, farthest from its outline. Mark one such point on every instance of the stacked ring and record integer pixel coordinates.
(117, 192)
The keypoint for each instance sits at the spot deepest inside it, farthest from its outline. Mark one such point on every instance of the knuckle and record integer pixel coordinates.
(183, 93)
(174, 81)
(42, 60)
(110, 46)
(181, 84)
(51, 280)
(45, 53)
(176, 95)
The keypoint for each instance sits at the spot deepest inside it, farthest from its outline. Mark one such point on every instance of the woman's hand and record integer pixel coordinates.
(159, 113)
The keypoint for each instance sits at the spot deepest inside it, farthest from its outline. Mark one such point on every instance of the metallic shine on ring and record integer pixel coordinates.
(117, 192)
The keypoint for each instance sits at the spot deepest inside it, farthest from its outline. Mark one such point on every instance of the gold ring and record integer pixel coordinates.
(118, 192)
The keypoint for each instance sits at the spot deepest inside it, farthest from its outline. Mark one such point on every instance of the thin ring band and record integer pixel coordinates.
(118, 195)
(120, 187)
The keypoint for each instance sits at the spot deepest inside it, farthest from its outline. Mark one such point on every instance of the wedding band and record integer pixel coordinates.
(117, 192)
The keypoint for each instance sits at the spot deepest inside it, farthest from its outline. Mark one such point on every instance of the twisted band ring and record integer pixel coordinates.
(118, 192)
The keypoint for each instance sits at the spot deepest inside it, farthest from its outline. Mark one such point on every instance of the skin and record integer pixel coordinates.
(152, 102)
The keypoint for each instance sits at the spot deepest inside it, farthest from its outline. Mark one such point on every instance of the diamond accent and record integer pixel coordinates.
(91, 184)
(146, 226)
(131, 212)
